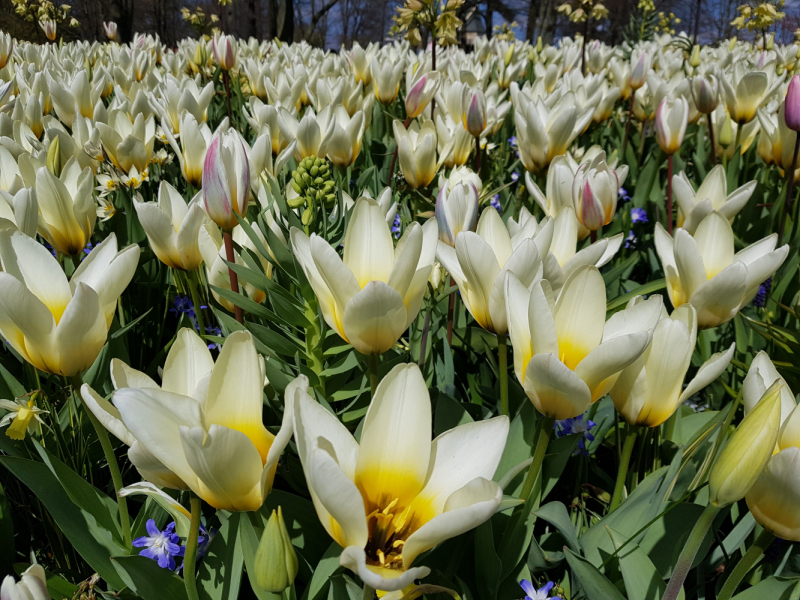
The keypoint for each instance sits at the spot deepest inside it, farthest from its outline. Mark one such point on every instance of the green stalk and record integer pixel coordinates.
(369, 593)
(314, 343)
(542, 439)
(374, 379)
(748, 561)
(689, 551)
(113, 466)
(190, 277)
(627, 452)
(502, 354)
(190, 557)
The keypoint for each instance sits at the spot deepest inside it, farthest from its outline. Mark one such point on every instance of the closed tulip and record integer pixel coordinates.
(226, 179)
(224, 47)
(456, 210)
(712, 195)
(595, 191)
(704, 271)
(66, 207)
(649, 390)
(473, 110)
(705, 91)
(372, 296)
(386, 76)
(49, 27)
(395, 494)
(672, 117)
(420, 91)
(747, 452)
(566, 355)
(110, 29)
(450, 134)
(480, 260)
(172, 227)
(639, 70)
(209, 431)
(195, 139)
(31, 586)
(792, 111)
(416, 151)
(760, 376)
(56, 325)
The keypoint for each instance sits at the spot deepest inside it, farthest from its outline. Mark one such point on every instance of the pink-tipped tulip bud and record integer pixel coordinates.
(224, 47)
(111, 30)
(473, 110)
(792, 113)
(49, 27)
(639, 71)
(672, 117)
(226, 179)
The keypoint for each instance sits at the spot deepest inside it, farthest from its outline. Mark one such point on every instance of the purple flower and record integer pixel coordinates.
(514, 176)
(161, 546)
(183, 305)
(512, 140)
(203, 542)
(88, 249)
(576, 425)
(638, 215)
(396, 226)
(623, 194)
(532, 593)
(630, 240)
(52, 250)
(495, 203)
(763, 291)
(211, 330)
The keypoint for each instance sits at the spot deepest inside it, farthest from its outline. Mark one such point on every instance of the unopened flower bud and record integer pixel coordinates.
(639, 71)
(726, 132)
(473, 110)
(744, 457)
(792, 114)
(276, 561)
(695, 58)
(54, 157)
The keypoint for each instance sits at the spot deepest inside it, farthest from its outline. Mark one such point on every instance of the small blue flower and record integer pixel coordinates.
(204, 541)
(52, 250)
(514, 176)
(576, 425)
(396, 226)
(532, 593)
(183, 305)
(623, 194)
(211, 330)
(88, 249)
(161, 546)
(512, 140)
(763, 291)
(630, 240)
(495, 203)
(638, 215)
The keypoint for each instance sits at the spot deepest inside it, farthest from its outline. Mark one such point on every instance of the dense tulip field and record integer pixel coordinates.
(518, 322)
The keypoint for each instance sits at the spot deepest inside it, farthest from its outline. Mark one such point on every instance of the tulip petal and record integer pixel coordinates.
(480, 267)
(107, 414)
(160, 233)
(580, 315)
(368, 248)
(188, 362)
(610, 358)
(123, 376)
(714, 238)
(525, 263)
(152, 469)
(81, 333)
(689, 262)
(554, 389)
(338, 278)
(406, 259)
(718, 300)
(642, 316)
(375, 318)
(708, 372)
(228, 467)
(517, 301)
(760, 376)
(396, 439)
(774, 498)
(188, 240)
(27, 324)
(492, 230)
(386, 580)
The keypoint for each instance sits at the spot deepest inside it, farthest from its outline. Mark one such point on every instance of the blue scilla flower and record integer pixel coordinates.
(161, 546)
(514, 176)
(623, 195)
(495, 203)
(580, 425)
(396, 226)
(211, 330)
(512, 140)
(638, 215)
(630, 240)
(532, 593)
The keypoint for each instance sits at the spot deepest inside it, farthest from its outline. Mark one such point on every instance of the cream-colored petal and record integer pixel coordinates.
(554, 389)
(107, 414)
(81, 333)
(188, 362)
(718, 300)
(610, 358)
(383, 579)
(495, 234)
(368, 248)
(375, 318)
(123, 376)
(775, 498)
(580, 315)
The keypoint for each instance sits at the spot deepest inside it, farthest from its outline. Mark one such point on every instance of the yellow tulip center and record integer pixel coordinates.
(389, 528)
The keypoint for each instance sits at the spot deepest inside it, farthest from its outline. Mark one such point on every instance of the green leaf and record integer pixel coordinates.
(150, 581)
(95, 544)
(275, 341)
(556, 514)
(220, 571)
(594, 583)
(488, 568)
(773, 588)
(248, 538)
(324, 570)
(642, 579)
(7, 553)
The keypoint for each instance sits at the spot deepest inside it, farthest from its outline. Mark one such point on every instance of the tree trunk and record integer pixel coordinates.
(531, 27)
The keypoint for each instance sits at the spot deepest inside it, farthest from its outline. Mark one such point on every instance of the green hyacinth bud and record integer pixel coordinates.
(313, 182)
(276, 561)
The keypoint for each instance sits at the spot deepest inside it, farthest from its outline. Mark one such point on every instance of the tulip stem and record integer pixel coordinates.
(628, 126)
(689, 552)
(394, 156)
(789, 188)
(198, 311)
(624, 462)
(226, 236)
(711, 139)
(226, 79)
(190, 557)
(374, 379)
(450, 314)
(542, 439)
(423, 344)
(478, 155)
(502, 355)
(745, 564)
(669, 194)
(113, 465)
(369, 593)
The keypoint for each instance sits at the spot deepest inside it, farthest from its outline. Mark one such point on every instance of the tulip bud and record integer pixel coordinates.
(672, 117)
(639, 72)
(695, 58)
(224, 47)
(741, 461)
(420, 94)
(705, 91)
(473, 110)
(539, 44)
(595, 190)
(226, 179)
(732, 45)
(54, 157)
(726, 132)
(110, 29)
(456, 211)
(49, 28)
(792, 111)
(509, 56)
(276, 561)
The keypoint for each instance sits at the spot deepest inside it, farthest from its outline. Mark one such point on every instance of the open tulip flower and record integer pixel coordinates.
(31, 586)
(396, 494)
(204, 425)
(60, 326)
(743, 95)
(480, 260)
(650, 389)
(372, 296)
(704, 271)
(172, 227)
(694, 206)
(566, 355)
